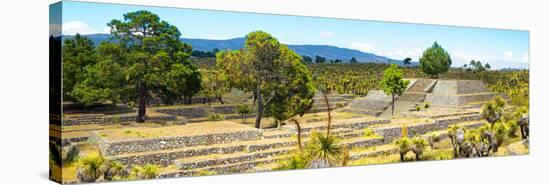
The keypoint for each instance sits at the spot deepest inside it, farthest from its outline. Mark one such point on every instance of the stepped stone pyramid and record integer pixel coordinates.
(438, 93)
(457, 93)
(374, 103)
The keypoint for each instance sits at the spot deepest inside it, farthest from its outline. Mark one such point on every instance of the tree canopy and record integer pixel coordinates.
(435, 60)
(392, 82)
(272, 72)
(145, 59)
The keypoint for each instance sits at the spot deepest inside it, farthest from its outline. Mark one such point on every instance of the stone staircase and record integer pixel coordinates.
(415, 95)
(245, 154)
(336, 101)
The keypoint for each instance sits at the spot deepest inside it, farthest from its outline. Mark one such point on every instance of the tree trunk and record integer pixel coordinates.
(417, 157)
(299, 129)
(142, 102)
(522, 133)
(392, 103)
(260, 105)
(402, 157)
(221, 100)
(254, 98)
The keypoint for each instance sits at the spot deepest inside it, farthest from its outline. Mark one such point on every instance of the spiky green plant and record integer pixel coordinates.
(114, 170)
(91, 167)
(404, 146)
(323, 150)
(419, 144)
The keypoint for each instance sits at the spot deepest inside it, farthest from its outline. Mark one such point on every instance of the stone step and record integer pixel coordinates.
(413, 96)
(166, 157)
(222, 169)
(352, 123)
(363, 111)
(226, 159)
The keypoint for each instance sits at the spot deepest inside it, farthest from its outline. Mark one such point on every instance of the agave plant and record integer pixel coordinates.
(323, 150)
(404, 146)
(90, 168)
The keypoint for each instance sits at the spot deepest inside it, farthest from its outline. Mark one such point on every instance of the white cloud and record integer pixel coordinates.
(507, 59)
(326, 34)
(107, 29)
(74, 27)
(365, 47)
(509, 55)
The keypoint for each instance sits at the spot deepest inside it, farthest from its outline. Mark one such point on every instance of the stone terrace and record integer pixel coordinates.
(226, 147)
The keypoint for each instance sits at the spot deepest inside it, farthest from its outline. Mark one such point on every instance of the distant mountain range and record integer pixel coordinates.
(330, 52)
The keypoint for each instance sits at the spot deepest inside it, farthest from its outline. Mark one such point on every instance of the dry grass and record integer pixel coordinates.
(212, 127)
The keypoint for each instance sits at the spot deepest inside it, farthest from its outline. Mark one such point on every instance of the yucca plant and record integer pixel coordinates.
(404, 146)
(114, 170)
(453, 132)
(419, 144)
(90, 168)
(323, 150)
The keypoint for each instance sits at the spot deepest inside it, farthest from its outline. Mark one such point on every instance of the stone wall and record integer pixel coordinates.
(449, 100)
(141, 145)
(111, 119)
(392, 133)
(197, 112)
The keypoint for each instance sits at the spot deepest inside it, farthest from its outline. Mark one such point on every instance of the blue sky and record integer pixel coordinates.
(500, 48)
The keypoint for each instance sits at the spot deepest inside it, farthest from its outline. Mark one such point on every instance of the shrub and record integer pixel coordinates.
(244, 109)
(432, 139)
(426, 105)
(147, 171)
(369, 133)
(419, 144)
(403, 146)
(91, 167)
(114, 170)
(216, 117)
(298, 160)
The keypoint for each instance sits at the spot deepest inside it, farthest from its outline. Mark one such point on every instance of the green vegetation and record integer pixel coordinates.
(435, 60)
(280, 82)
(145, 57)
(244, 110)
(393, 83)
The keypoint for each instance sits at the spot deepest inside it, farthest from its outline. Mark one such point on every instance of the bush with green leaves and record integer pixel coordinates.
(298, 160)
(148, 171)
(369, 133)
(244, 110)
(493, 110)
(115, 170)
(216, 117)
(91, 167)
